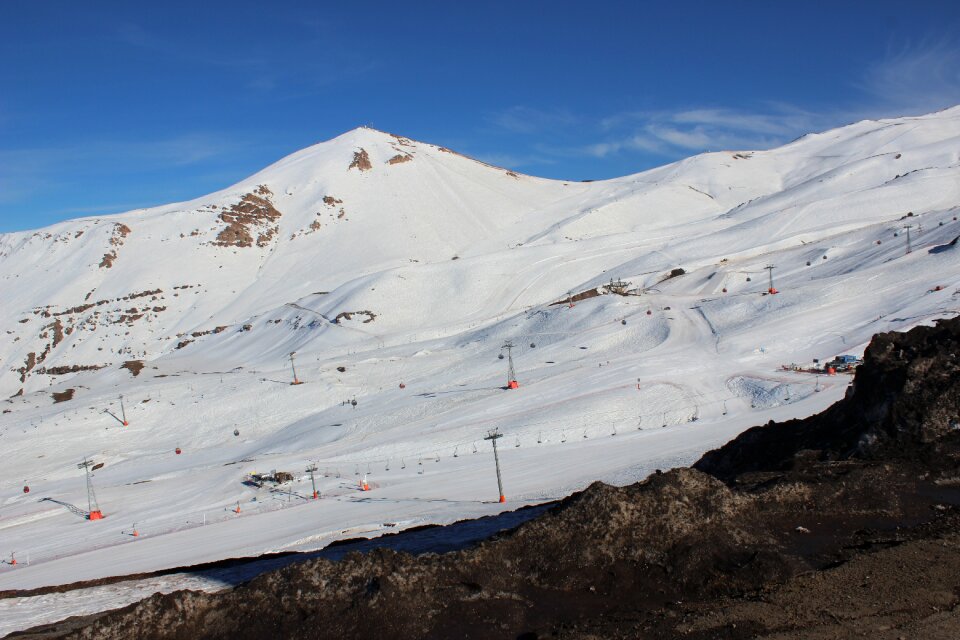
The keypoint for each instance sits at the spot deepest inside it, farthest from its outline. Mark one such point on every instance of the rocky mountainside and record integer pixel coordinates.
(849, 524)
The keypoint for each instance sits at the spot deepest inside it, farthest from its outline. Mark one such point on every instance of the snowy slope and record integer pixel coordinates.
(402, 262)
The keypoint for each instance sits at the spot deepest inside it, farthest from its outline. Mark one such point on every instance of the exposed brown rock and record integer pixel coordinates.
(583, 295)
(133, 366)
(120, 231)
(62, 396)
(254, 213)
(61, 370)
(361, 161)
(220, 329)
(400, 158)
(348, 315)
(57, 327)
(28, 365)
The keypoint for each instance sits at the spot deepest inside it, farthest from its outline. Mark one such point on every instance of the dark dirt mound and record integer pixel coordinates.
(830, 527)
(904, 399)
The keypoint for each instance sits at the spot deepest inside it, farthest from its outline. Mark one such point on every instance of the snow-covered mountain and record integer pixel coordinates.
(403, 262)
(373, 222)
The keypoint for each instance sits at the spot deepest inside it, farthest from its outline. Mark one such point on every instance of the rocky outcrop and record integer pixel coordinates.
(904, 399)
(253, 219)
(120, 231)
(348, 315)
(361, 161)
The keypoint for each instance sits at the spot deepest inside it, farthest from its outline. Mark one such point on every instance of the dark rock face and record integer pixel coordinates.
(904, 400)
(807, 513)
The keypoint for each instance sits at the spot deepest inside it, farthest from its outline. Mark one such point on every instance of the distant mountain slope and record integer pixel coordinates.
(368, 210)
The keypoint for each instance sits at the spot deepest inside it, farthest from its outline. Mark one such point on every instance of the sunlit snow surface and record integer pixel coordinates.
(610, 388)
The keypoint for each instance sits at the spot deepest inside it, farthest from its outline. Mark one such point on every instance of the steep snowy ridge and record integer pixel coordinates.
(396, 270)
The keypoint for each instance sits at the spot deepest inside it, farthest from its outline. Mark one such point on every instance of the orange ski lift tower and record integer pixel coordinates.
(93, 509)
(493, 436)
(296, 380)
(511, 373)
(770, 269)
(123, 412)
(311, 470)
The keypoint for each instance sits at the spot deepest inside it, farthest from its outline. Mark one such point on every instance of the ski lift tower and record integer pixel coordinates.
(294, 368)
(93, 509)
(311, 469)
(770, 269)
(123, 413)
(511, 373)
(493, 436)
(909, 246)
(618, 286)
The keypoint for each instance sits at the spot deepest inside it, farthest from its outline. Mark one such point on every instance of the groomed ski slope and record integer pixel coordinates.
(451, 258)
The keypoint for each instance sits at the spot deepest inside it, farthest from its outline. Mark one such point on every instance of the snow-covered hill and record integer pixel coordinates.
(379, 261)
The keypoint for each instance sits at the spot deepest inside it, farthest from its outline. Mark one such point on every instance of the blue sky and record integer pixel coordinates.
(108, 106)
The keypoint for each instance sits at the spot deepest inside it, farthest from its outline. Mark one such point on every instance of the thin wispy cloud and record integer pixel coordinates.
(530, 120)
(917, 78)
(691, 130)
(910, 79)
